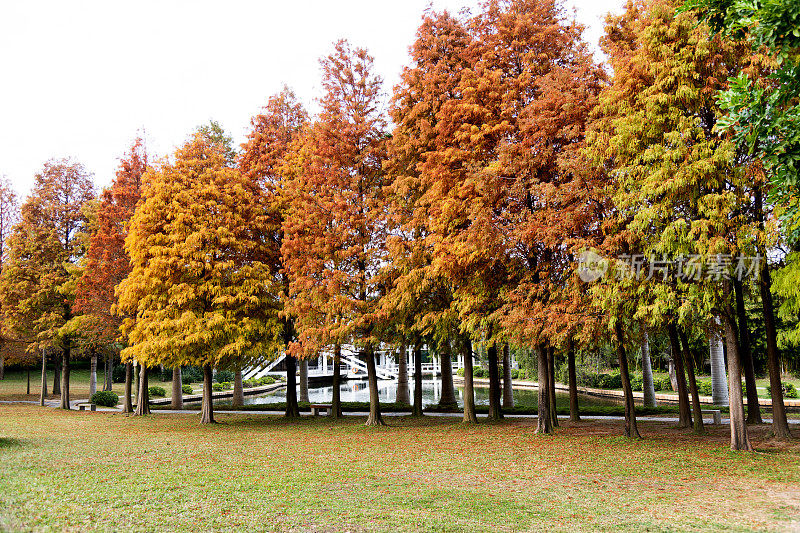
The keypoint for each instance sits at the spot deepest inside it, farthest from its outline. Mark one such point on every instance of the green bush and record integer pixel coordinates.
(191, 374)
(105, 398)
(789, 390)
(216, 387)
(187, 389)
(460, 372)
(478, 372)
(249, 383)
(637, 382)
(223, 376)
(266, 380)
(514, 373)
(704, 388)
(157, 392)
(609, 381)
(227, 385)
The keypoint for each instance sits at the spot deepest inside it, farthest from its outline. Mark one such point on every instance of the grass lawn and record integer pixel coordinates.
(14, 385)
(102, 471)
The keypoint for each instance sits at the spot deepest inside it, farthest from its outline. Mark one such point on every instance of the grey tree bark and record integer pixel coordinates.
(470, 417)
(93, 374)
(495, 409)
(448, 398)
(65, 355)
(57, 376)
(574, 413)
(508, 387)
(304, 380)
(207, 410)
(238, 389)
(177, 389)
(697, 413)
(647, 373)
(402, 375)
(551, 388)
(719, 378)
(43, 393)
(143, 401)
(127, 406)
(740, 440)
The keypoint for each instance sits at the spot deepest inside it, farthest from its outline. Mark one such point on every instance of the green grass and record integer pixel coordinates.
(102, 472)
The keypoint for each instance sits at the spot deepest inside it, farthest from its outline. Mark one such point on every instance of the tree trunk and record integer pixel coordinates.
(65, 355)
(2, 367)
(697, 411)
(304, 380)
(138, 370)
(780, 426)
(740, 440)
(685, 415)
(417, 408)
(746, 355)
(544, 424)
(29, 382)
(647, 373)
(402, 375)
(551, 389)
(574, 414)
(336, 402)
(93, 374)
(448, 398)
(292, 409)
(43, 393)
(508, 388)
(143, 403)
(374, 418)
(495, 409)
(127, 406)
(719, 380)
(109, 385)
(207, 410)
(57, 377)
(238, 389)
(631, 430)
(177, 388)
(470, 417)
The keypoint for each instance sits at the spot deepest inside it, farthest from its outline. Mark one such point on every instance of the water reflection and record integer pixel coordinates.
(358, 391)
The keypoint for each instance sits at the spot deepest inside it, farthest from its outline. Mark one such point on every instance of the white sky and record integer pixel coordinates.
(80, 78)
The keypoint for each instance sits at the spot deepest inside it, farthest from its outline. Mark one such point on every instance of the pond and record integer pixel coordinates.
(358, 391)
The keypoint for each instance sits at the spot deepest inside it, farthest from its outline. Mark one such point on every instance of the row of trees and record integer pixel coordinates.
(511, 154)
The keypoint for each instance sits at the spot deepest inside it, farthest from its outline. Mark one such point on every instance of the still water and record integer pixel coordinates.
(358, 391)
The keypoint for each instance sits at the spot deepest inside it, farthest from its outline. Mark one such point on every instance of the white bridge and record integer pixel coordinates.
(352, 366)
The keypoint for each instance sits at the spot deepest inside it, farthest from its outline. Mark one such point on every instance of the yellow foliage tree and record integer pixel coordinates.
(202, 289)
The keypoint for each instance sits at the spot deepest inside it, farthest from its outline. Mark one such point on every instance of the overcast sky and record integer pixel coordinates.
(80, 78)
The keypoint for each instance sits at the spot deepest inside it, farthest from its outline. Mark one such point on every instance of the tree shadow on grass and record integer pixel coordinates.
(10, 443)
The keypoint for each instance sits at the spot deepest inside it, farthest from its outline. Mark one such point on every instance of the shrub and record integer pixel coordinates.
(637, 382)
(223, 376)
(187, 389)
(665, 384)
(227, 385)
(789, 390)
(704, 388)
(157, 392)
(105, 398)
(460, 372)
(266, 380)
(216, 387)
(118, 374)
(191, 374)
(478, 372)
(514, 373)
(609, 381)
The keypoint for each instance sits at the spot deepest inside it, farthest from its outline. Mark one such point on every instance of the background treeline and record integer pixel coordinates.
(456, 218)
